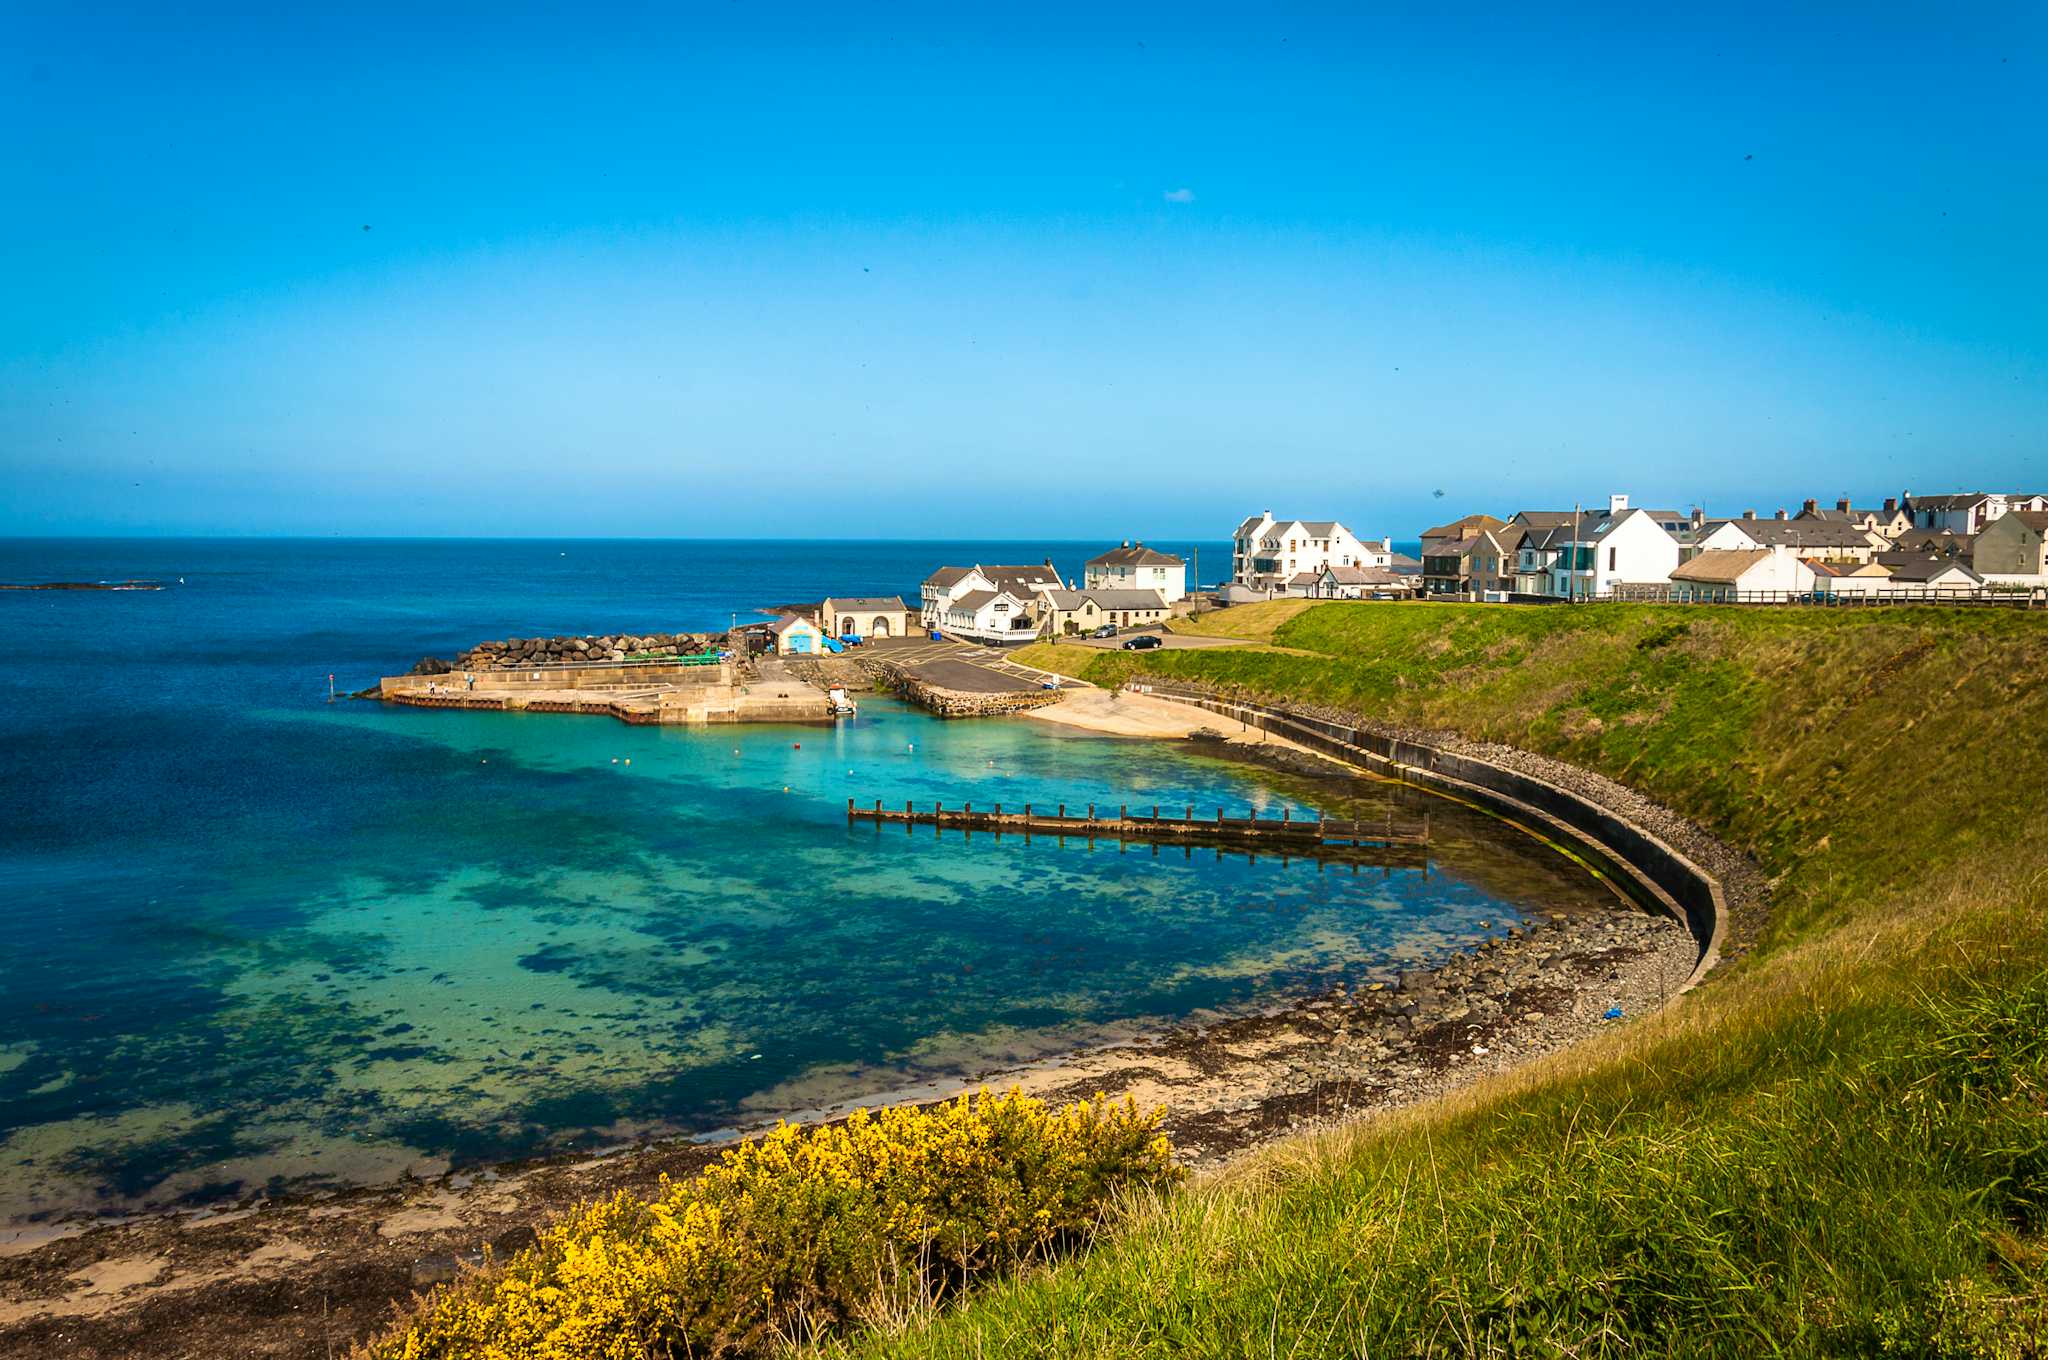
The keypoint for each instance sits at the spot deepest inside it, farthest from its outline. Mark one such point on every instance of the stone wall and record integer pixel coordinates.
(953, 703)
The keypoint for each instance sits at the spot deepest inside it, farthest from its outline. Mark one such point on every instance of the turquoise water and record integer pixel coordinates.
(260, 940)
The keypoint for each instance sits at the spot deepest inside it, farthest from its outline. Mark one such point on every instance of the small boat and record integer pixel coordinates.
(842, 707)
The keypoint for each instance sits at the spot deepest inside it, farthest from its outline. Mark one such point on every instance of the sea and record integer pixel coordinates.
(257, 938)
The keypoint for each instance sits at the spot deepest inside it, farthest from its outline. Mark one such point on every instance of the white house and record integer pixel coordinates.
(1623, 547)
(1351, 583)
(1133, 566)
(1721, 575)
(999, 617)
(948, 584)
(1267, 553)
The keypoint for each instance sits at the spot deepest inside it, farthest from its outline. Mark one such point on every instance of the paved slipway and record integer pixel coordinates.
(304, 1278)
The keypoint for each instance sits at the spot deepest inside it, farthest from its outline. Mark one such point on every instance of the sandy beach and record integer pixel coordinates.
(1124, 714)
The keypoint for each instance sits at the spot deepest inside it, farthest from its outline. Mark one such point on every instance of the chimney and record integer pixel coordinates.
(1699, 517)
(1779, 515)
(1616, 504)
(1891, 505)
(1810, 506)
(1749, 514)
(1843, 505)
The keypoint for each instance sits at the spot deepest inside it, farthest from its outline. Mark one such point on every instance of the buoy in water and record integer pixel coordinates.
(629, 760)
(798, 745)
(615, 760)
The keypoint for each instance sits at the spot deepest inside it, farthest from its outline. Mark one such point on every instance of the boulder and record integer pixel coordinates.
(431, 665)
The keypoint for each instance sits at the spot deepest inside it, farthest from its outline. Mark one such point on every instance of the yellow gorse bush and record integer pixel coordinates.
(796, 1232)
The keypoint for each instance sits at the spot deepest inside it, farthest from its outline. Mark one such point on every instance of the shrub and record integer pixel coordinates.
(798, 1232)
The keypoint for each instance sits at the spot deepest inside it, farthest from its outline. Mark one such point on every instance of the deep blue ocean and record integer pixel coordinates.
(256, 939)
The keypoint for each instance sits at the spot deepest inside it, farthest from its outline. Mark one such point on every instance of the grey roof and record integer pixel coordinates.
(1126, 599)
(1799, 533)
(1250, 523)
(1135, 555)
(1954, 501)
(1401, 564)
(973, 600)
(1467, 525)
(1064, 599)
(1550, 539)
(948, 576)
(1319, 528)
(1021, 580)
(788, 621)
(1546, 519)
(1917, 568)
(2033, 519)
(868, 602)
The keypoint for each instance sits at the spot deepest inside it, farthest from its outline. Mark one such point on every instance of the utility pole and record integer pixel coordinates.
(1571, 580)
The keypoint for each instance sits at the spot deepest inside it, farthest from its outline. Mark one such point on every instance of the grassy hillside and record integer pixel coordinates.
(1838, 1146)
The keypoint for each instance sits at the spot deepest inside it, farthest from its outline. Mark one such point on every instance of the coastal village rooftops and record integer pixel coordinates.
(1465, 527)
(1960, 500)
(973, 600)
(1021, 579)
(1798, 533)
(784, 622)
(2033, 519)
(1135, 555)
(948, 576)
(1840, 570)
(1401, 564)
(1720, 566)
(1063, 599)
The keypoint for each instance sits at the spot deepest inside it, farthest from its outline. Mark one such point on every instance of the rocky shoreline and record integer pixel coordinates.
(303, 1276)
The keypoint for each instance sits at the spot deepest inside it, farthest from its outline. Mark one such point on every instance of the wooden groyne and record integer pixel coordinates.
(1153, 823)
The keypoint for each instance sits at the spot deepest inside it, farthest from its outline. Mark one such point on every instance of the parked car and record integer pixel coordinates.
(1144, 643)
(1106, 630)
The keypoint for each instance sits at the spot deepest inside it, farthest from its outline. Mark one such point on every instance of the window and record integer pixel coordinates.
(1611, 551)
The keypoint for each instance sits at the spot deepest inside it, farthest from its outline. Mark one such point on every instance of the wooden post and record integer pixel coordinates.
(1284, 814)
(1155, 812)
(999, 809)
(1123, 812)
(849, 807)
(878, 809)
(1191, 813)
(1219, 816)
(1063, 812)
(1091, 812)
(1425, 828)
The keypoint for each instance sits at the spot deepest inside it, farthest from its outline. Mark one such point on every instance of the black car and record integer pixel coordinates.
(1144, 643)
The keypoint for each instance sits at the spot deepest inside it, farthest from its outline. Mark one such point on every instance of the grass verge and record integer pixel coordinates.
(1837, 1147)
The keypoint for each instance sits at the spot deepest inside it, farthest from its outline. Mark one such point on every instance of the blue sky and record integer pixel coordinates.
(877, 271)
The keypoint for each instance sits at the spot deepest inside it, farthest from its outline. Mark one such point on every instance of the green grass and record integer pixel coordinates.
(1837, 1146)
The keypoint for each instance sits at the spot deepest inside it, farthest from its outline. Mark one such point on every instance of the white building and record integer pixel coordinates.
(1623, 547)
(1351, 583)
(1133, 566)
(794, 636)
(1268, 553)
(948, 584)
(999, 617)
(1732, 575)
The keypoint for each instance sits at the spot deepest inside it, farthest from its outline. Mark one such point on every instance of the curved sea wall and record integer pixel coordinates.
(1652, 871)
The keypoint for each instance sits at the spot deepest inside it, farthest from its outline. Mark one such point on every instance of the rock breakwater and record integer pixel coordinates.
(524, 653)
